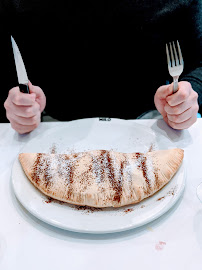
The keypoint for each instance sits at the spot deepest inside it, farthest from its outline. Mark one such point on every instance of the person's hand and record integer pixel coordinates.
(179, 110)
(24, 110)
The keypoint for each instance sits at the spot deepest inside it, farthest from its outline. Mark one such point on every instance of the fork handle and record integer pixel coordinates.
(175, 84)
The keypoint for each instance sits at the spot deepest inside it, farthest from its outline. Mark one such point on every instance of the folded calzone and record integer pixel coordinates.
(101, 178)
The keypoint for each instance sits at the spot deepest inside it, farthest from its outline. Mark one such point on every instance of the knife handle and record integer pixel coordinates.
(24, 88)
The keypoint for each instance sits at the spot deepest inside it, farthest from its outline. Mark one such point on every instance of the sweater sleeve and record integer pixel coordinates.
(195, 78)
(193, 73)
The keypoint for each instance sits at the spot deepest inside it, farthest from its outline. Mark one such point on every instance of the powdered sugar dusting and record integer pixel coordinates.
(145, 164)
(95, 167)
(150, 171)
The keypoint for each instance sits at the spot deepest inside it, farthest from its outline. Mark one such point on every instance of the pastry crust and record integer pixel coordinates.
(101, 178)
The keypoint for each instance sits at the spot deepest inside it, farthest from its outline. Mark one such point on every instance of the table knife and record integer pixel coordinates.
(20, 68)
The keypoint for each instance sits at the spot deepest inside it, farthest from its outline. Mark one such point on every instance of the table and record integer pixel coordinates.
(173, 241)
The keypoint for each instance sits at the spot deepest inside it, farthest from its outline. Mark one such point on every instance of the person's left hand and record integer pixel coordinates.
(179, 110)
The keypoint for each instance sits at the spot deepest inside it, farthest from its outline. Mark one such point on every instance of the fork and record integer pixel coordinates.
(176, 64)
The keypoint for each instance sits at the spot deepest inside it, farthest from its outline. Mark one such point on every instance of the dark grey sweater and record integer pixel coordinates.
(99, 58)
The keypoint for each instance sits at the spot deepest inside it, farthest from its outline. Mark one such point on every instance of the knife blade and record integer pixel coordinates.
(20, 68)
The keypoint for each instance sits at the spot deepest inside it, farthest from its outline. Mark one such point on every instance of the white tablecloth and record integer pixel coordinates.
(174, 241)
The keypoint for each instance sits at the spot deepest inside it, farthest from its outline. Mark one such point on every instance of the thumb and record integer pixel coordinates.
(40, 97)
(32, 89)
(160, 98)
(165, 90)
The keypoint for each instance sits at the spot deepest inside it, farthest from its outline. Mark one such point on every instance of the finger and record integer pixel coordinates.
(34, 89)
(181, 95)
(178, 109)
(23, 120)
(21, 129)
(21, 99)
(184, 125)
(180, 118)
(26, 111)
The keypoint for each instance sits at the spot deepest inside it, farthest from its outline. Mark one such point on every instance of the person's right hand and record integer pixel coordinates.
(24, 110)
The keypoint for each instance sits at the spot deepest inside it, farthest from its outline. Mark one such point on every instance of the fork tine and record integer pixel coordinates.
(176, 56)
(175, 69)
(180, 54)
(168, 57)
(172, 56)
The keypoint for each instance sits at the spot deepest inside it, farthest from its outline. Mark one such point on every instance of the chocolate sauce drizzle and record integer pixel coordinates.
(116, 183)
(104, 166)
(37, 169)
(141, 159)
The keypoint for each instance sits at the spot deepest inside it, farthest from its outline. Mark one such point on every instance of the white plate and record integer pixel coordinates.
(88, 134)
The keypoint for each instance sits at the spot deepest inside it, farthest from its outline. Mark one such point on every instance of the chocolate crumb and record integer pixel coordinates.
(159, 199)
(151, 148)
(171, 192)
(49, 200)
(128, 210)
(87, 209)
(53, 149)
